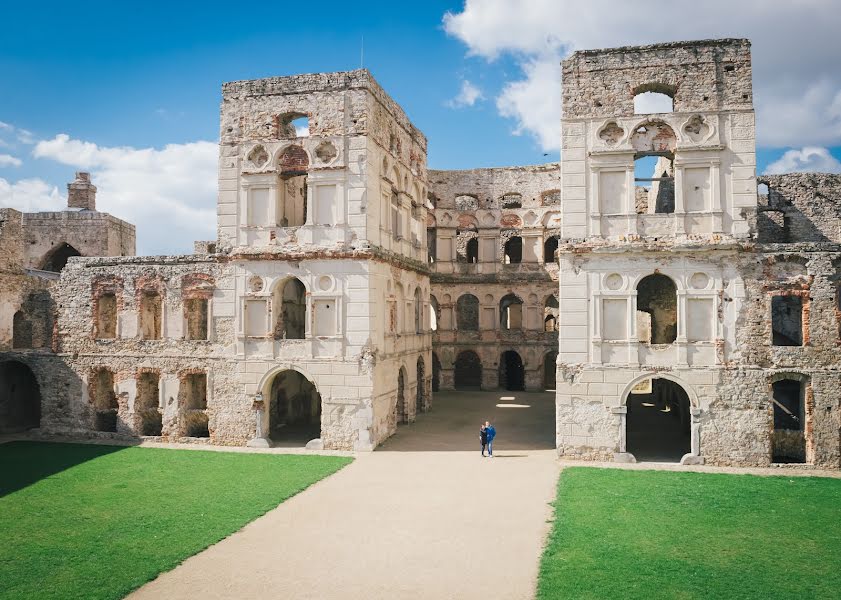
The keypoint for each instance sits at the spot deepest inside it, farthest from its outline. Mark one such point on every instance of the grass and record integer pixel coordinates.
(88, 521)
(660, 534)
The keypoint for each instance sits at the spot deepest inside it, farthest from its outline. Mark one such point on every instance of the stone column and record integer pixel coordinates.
(694, 456)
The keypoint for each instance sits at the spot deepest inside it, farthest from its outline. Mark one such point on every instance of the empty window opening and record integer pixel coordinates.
(467, 371)
(106, 317)
(418, 311)
(550, 250)
(467, 313)
(787, 320)
(293, 164)
(192, 400)
(56, 259)
(774, 226)
(147, 404)
(511, 313)
(658, 421)
(195, 316)
(433, 313)
(150, 315)
(549, 370)
(294, 410)
(431, 244)
(472, 250)
(514, 250)
(293, 125)
(512, 375)
(436, 373)
(648, 103)
(290, 306)
(656, 310)
(104, 400)
(511, 201)
(420, 393)
(396, 229)
(550, 323)
(467, 203)
(763, 192)
(655, 183)
(21, 331)
(20, 398)
(550, 314)
(467, 245)
(401, 410)
(788, 442)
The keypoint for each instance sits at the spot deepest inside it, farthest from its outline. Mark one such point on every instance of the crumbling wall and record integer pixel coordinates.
(800, 207)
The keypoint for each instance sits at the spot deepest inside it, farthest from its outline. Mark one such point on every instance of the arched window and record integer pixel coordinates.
(511, 312)
(550, 313)
(653, 98)
(293, 125)
(56, 259)
(550, 249)
(472, 250)
(467, 313)
(289, 304)
(433, 313)
(656, 310)
(293, 164)
(418, 311)
(514, 250)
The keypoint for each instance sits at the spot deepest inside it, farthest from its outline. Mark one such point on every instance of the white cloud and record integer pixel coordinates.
(795, 48)
(7, 160)
(468, 95)
(808, 159)
(168, 193)
(30, 195)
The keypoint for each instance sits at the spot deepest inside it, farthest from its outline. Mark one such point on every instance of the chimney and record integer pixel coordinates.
(81, 193)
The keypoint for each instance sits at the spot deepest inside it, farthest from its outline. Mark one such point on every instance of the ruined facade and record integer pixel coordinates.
(680, 312)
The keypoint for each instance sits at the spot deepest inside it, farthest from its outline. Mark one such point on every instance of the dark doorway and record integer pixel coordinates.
(419, 396)
(20, 398)
(436, 373)
(294, 409)
(658, 422)
(468, 371)
(788, 442)
(402, 416)
(56, 259)
(549, 369)
(511, 371)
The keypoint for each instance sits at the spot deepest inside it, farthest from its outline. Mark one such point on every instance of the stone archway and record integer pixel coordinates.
(20, 398)
(293, 408)
(468, 371)
(512, 374)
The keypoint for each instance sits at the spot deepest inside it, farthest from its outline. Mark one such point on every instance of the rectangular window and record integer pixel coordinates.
(195, 315)
(787, 320)
(106, 316)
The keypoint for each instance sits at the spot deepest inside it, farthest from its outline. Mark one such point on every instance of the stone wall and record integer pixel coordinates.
(799, 207)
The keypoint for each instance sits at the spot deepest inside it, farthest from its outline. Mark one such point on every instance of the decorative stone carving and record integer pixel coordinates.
(611, 134)
(326, 152)
(258, 156)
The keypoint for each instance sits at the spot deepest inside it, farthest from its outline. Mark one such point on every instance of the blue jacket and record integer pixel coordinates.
(491, 433)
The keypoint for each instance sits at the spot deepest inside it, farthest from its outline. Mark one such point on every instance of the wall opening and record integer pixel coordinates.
(293, 164)
(21, 331)
(431, 244)
(467, 313)
(653, 102)
(467, 371)
(401, 407)
(418, 311)
(514, 250)
(192, 400)
(433, 313)
(551, 321)
(195, 316)
(472, 250)
(106, 317)
(436, 373)
(512, 374)
(788, 440)
(787, 320)
(550, 250)
(290, 310)
(20, 398)
(293, 125)
(104, 399)
(150, 315)
(147, 403)
(510, 312)
(655, 183)
(294, 409)
(656, 310)
(658, 421)
(511, 201)
(56, 259)
(549, 370)
(420, 395)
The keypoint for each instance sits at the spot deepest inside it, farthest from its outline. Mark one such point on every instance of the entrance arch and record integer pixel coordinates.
(660, 424)
(512, 374)
(468, 371)
(56, 259)
(20, 398)
(293, 406)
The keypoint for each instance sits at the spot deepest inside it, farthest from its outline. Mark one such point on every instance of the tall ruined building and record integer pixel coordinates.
(679, 311)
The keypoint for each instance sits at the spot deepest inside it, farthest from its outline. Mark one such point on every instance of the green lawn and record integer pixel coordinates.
(659, 534)
(88, 521)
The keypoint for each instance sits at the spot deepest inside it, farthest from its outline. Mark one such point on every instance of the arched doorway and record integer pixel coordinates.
(468, 371)
(436, 372)
(294, 409)
(549, 369)
(512, 375)
(20, 398)
(401, 408)
(419, 395)
(658, 421)
(56, 259)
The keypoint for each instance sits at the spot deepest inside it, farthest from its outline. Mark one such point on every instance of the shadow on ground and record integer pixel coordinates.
(24, 463)
(523, 420)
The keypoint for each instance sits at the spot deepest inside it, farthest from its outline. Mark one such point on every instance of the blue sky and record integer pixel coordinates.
(133, 93)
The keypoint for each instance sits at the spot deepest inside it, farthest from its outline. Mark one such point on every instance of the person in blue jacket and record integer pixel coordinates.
(491, 433)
